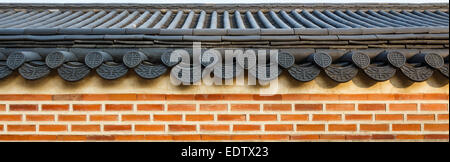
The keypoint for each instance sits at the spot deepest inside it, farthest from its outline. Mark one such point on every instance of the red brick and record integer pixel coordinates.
(109, 97)
(40, 118)
(372, 107)
(1, 127)
(358, 137)
(158, 137)
(276, 97)
(72, 118)
(342, 127)
(358, 117)
(231, 117)
(402, 107)
(332, 137)
(389, 117)
(10, 117)
(203, 117)
(374, 127)
(151, 97)
(274, 137)
(118, 107)
(277, 107)
(381, 97)
(437, 136)
(383, 136)
(295, 97)
(52, 128)
(117, 127)
(181, 107)
(180, 97)
(186, 137)
(406, 127)
(167, 117)
(305, 137)
(326, 117)
(419, 117)
(21, 128)
(245, 107)
(278, 127)
(434, 107)
(85, 128)
(182, 128)
(209, 97)
(129, 137)
(245, 137)
(103, 118)
(213, 107)
(435, 96)
(340, 107)
(241, 97)
(353, 97)
(2, 107)
(435, 127)
(100, 138)
(310, 127)
(135, 117)
(294, 117)
(308, 107)
(55, 107)
(409, 137)
(212, 127)
(42, 137)
(263, 117)
(324, 97)
(25, 97)
(150, 107)
(408, 96)
(149, 127)
(247, 127)
(23, 107)
(443, 117)
(215, 137)
(87, 107)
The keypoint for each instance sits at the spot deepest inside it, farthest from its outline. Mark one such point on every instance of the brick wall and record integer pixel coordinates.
(241, 117)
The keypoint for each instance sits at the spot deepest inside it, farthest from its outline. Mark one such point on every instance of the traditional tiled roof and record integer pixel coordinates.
(113, 39)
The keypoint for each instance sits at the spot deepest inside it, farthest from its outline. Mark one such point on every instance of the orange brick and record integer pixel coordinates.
(402, 107)
(389, 117)
(181, 107)
(308, 107)
(85, 128)
(436, 127)
(358, 137)
(117, 127)
(103, 118)
(23, 107)
(180, 97)
(110, 97)
(211, 127)
(231, 117)
(383, 136)
(408, 96)
(71, 117)
(247, 127)
(245, 137)
(358, 117)
(86, 107)
(55, 107)
(182, 128)
(245, 107)
(274, 137)
(434, 107)
(21, 128)
(1, 127)
(118, 107)
(340, 107)
(295, 97)
(353, 97)
(25, 97)
(67, 97)
(332, 137)
(435, 96)
(40, 118)
(242, 97)
(10, 117)
(409, 136)
(149, 127)
(203, 117)
(294, 117)
(372, 107)
(150, 107)
(305, 137)
(130, 117)
(52, 128)
(263, 117)
(324, 97)
(158, 137)
(443, 117)
(2, 107)
(277, 107)
(100, 138)
(215, 137)
(208, 97)
(342, 127)
(213, 107)
(151, 97)
(419, 117)
(406, 127)
(326, 117)
(278, 127)
(275, 97)
(186, 137)
(42, 137)
(167, 117)
(374, 127)
(129, 137)
(310, 127)
(437, 136)
(381, 97)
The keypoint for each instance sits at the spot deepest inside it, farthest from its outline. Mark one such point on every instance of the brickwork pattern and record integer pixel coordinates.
(224, 117)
